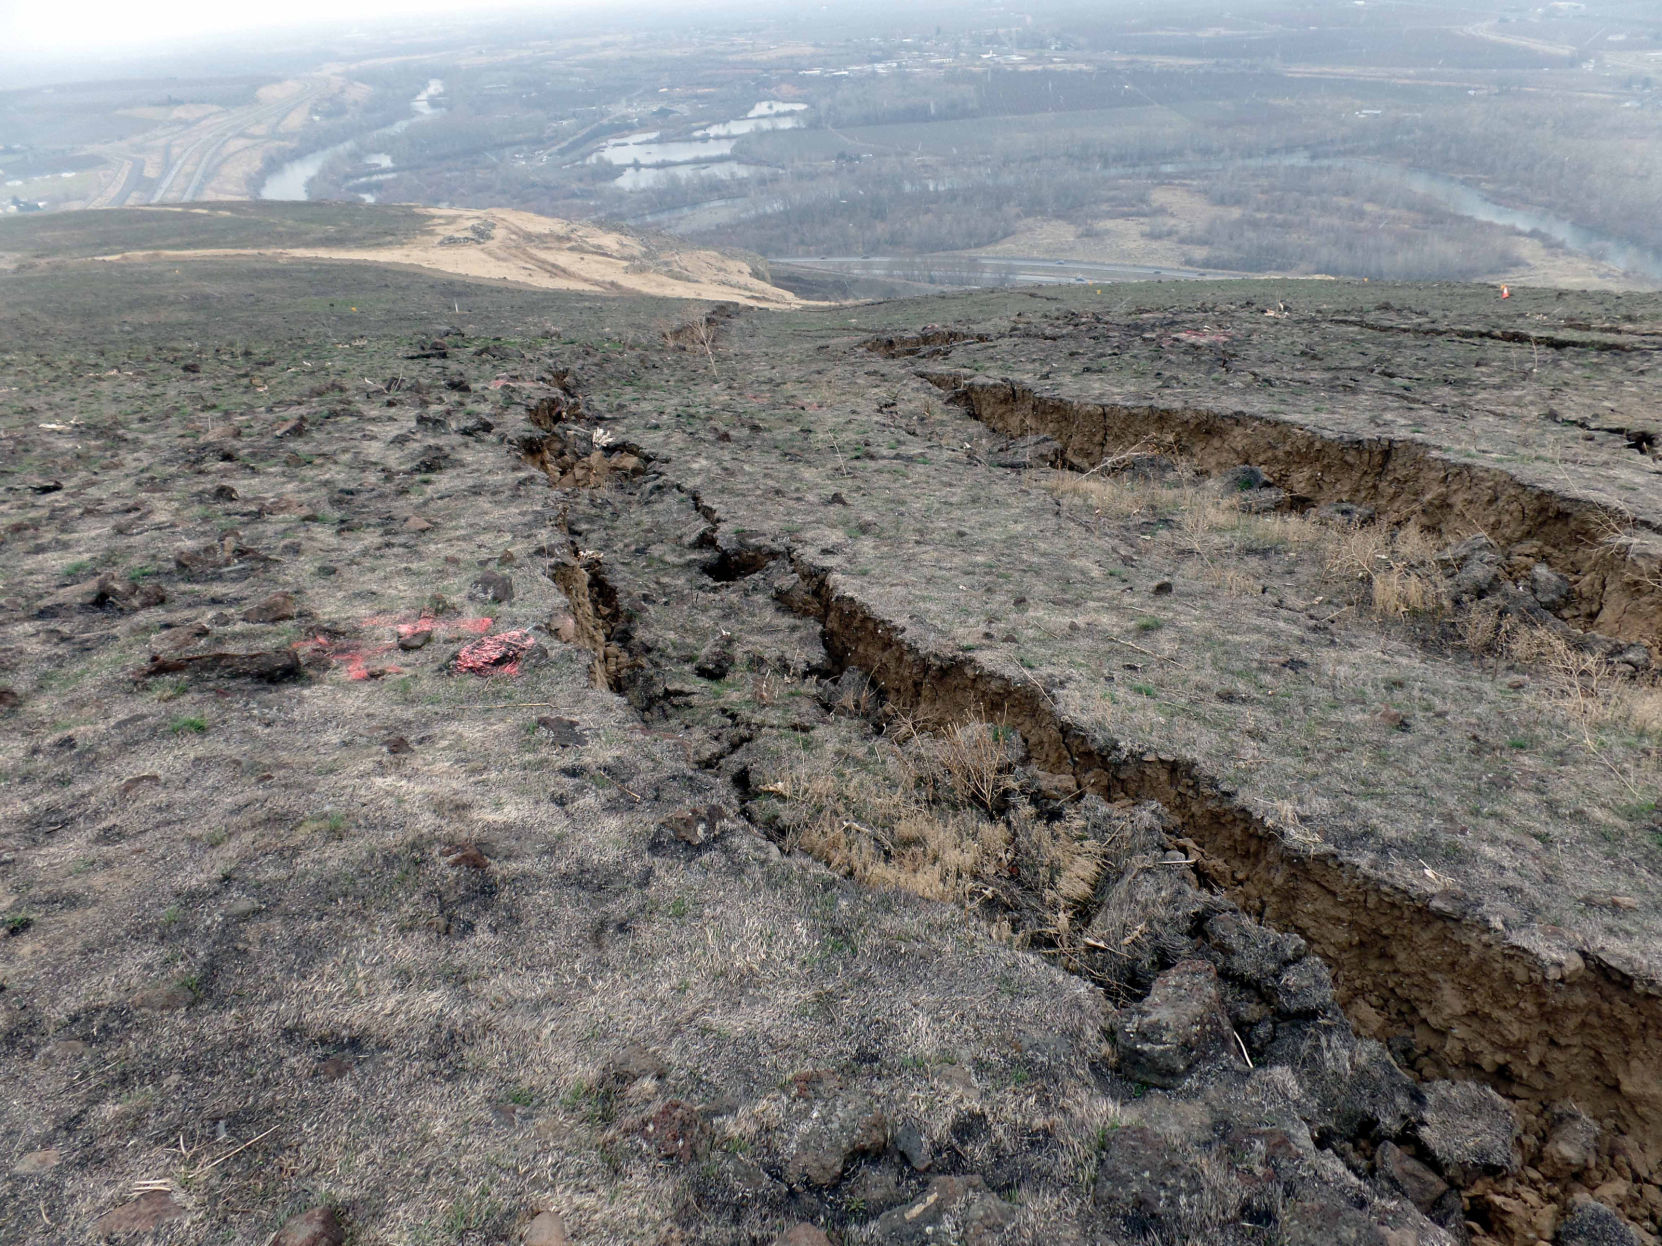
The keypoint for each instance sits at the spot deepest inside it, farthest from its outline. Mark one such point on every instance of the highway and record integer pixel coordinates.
(124, 182)
(202, 155)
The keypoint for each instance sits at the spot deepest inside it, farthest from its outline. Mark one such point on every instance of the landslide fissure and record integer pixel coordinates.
(1553, 341)
(1013, 901)
(1575, 1027)
(1413, 966)
(1616, 589)
(1452, 998)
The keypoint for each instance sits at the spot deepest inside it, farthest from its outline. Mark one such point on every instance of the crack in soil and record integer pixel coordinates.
(800, 591)
(1546, 1027)
(1615, 590)
(928, 342)
(1518, 336)
(1580, 1028)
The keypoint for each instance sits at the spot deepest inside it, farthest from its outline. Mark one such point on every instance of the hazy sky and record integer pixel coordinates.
(57, 27)
(33, 32)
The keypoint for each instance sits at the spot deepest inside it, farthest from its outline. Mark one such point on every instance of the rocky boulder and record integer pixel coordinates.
(1571, 1145)
(1179, 1024)
(838, 1129)
(1594, 1224)
(1304, 989)
(963, 1204)
(1140, 1172)
(1548, 587)
(1252, 954)
(105, 592)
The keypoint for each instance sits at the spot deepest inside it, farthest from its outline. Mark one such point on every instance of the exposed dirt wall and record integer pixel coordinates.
(1615, 592)
(1544, 1031)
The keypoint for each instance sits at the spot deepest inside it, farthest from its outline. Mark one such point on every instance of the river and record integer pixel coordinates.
(290, 182)
(1462, 199)
(649, 161)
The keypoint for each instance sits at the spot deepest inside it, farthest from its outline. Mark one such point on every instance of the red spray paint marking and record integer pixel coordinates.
(355, 658)
(495, 655)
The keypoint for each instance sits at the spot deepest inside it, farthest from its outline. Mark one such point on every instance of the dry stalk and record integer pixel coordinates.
(1590, 693)
(1120, 458)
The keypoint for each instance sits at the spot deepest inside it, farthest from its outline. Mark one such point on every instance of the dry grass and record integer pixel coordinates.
(1203, 515)
(1588, 688)
(1398, 568)
(1388, 574)
(968, 763)
(928, 812)
(1084, 1123)
(1110, 497)
(867, 818)
(1393, 572)
(1596, 701)
(1642, 708)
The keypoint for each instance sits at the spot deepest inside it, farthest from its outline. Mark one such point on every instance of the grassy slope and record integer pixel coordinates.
(66, 235)
(297, 879)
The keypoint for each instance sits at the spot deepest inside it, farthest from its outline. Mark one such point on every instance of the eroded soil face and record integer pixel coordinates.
(471, 753)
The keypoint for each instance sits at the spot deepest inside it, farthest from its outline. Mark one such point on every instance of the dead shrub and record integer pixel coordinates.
(1398, 568)
(1481, 628)
(1109, 497)
(698, 335)
(935, 813)
(1587, 689)
(970, 760)
(1584, 682)
(1586, 686)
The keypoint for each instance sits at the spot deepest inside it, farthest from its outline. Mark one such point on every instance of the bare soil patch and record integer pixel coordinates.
(502, 244)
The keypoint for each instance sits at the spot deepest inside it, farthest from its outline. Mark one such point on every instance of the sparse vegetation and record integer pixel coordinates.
(368, 882)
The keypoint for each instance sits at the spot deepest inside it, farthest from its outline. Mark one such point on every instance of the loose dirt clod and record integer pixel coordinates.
(265, 667)
(319, 1226)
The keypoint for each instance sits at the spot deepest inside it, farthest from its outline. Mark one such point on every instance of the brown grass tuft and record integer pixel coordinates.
(1587, 687)
(1398, 568)
(1109, 497)
(925, 811)
(1393, 573)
